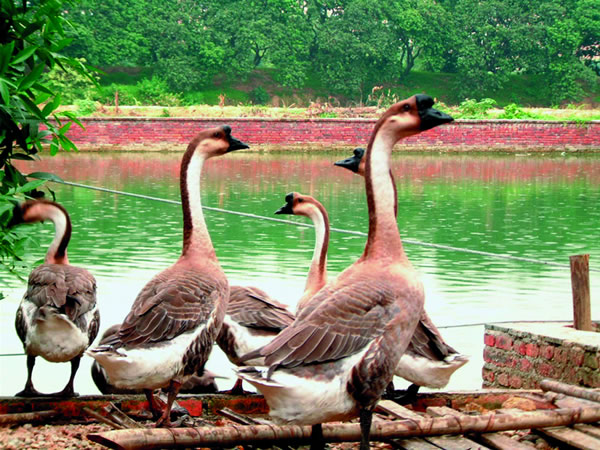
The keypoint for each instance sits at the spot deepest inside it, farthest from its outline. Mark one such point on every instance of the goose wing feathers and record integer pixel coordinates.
(345, 320)
(64, 286)
(428, 342)
(173, 302)
(253, 308)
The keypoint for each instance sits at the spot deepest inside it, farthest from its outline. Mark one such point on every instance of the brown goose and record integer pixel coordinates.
(169, 332)
(253, 318)
(335, 361)
(428, 361)
(58, 317)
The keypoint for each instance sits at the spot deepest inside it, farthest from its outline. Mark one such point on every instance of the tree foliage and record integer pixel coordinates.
(350, 45)
(31, 39)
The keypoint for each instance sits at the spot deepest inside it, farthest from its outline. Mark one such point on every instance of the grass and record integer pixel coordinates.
(313, 100)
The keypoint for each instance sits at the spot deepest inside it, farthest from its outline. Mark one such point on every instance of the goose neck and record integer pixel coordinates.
(383, 239)
(317, 274)
(196, 240)
(57, 252)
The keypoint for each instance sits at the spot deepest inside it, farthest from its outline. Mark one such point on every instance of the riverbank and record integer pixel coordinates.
(267, 133)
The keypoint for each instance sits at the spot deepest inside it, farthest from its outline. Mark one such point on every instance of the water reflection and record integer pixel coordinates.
(541, 207)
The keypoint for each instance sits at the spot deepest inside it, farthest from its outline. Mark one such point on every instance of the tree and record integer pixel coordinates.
(31, 37)
(259, 32)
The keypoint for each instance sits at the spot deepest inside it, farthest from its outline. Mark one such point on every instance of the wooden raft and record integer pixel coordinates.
(565, 416)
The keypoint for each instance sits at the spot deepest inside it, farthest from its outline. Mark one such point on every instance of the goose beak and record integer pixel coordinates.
(236, 144)
(287, 208)
(430, 117)
(348, 163)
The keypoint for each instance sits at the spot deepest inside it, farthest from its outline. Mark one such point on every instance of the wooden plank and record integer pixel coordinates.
(413, 444)
(569, 436)
(455, 443)
(580, 285)
(499, 441)
(398, 411)
(592, 430)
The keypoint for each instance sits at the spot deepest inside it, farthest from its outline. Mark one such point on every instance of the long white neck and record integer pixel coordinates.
(317, 274)
(196, 239)
(384, 238)
(57, 252)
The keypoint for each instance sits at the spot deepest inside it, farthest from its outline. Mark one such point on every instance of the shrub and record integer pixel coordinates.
(85, 107)
(259, 96)
(154, 91)
(473, 109)
(514, 111)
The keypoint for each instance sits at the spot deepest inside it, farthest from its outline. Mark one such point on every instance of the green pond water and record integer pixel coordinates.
(542, 207)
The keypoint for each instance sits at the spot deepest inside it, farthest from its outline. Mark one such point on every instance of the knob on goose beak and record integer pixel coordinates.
(234, 144)
(430, 117)
(353, 162)
(287, 208)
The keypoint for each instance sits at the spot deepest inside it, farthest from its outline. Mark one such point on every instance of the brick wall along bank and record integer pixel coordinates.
(175, 133)
(520, 355)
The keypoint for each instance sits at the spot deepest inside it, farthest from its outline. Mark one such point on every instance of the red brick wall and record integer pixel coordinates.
(516, 358)
(175, 133)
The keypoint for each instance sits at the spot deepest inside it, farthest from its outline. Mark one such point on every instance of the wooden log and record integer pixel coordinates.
(12, 419)
(100, 418)
(455, 443)
(569, 389)
(345, 432)
(580, 285)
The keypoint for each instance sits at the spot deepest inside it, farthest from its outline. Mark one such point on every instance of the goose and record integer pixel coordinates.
(305, 205)
(58, 317)
(336, 359)
(428, 361)
(169, 332)
(203, 384)
(253, 318)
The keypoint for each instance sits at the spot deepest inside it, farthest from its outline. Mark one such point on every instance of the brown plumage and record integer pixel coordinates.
(58, 317)
(335, 361)
(169, 332)
(428, 361)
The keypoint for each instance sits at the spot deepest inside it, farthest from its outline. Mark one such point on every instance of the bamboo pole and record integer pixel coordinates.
(569, 389)
(347, 432)
(580, 285)
(14, 418)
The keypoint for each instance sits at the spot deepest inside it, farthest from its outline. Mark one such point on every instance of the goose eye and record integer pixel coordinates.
(216, 134)
(406, 107)
(300, 200)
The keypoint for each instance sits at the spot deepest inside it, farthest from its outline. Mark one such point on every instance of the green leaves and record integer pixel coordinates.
(28, 105)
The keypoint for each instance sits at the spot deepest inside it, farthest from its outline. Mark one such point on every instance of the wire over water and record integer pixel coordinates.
(337, 230)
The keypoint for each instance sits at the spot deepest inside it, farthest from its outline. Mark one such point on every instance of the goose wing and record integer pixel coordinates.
(173, 302)
(344, 321)
(428, 342)
(253, 308)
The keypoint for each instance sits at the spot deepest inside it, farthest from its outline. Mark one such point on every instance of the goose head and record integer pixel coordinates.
(409, 117)
(355, 163)
(32, 211)
(216, 142)
(299, 205)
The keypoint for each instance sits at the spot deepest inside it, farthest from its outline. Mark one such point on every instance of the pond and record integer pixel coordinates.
(542, 207)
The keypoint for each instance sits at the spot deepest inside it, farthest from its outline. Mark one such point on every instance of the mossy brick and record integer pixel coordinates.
(561, 355)
(532, 350)
(545, 369)
(504, 342)
(576, 356)
(591, 360)
(525, 365)
(547, 351)
(515, 382)
(503, 379)
(489, 339)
